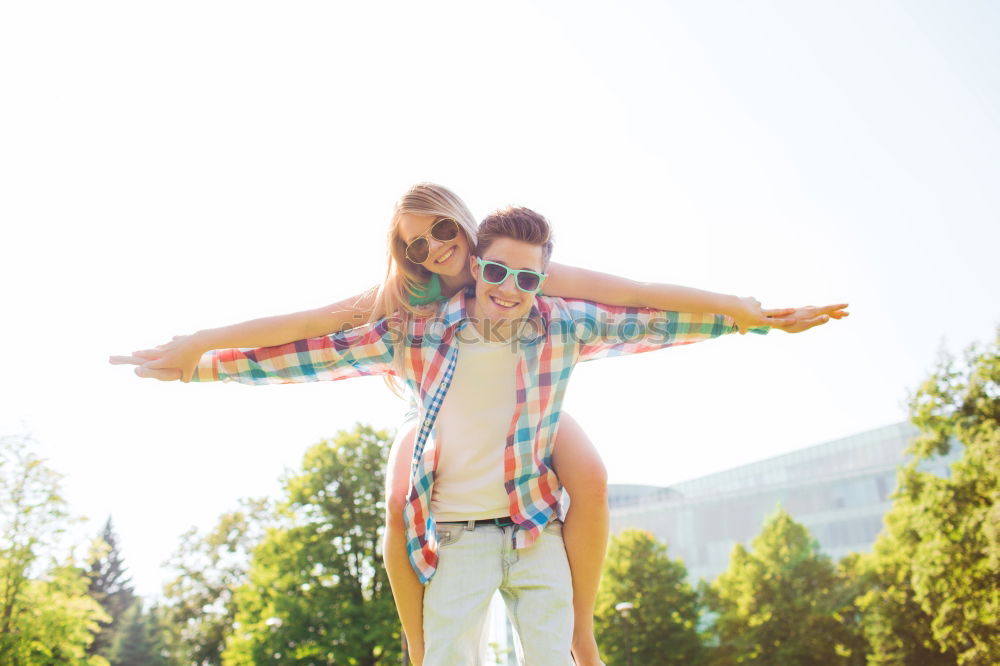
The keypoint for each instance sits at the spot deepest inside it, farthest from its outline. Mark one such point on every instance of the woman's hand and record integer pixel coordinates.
(170, 361)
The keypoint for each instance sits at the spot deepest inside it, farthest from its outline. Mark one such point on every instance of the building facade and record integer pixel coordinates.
(839, 490)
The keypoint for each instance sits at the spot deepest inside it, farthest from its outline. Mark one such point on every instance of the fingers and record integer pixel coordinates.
(812, 323)
(154, 362)
(159, 364)
(148, 369)
(797, 325)
(811, 311)
(126, 360)
(163, 374)
(831, 309)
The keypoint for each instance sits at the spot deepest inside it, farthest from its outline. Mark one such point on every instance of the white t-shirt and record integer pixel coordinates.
(472, 429)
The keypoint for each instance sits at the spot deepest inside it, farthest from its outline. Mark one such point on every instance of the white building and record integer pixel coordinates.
(839, 490)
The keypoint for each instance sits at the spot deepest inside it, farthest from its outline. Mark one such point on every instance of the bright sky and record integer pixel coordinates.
(169, 167)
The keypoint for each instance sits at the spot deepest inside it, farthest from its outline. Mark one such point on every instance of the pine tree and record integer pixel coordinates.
(109, 586)
(136, 641)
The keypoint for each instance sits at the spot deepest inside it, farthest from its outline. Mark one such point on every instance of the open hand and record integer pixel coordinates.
(804, 318)
(750, 314)
(145, 369)
(170, 361)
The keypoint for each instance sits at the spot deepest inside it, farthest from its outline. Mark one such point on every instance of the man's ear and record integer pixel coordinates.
(473, 267)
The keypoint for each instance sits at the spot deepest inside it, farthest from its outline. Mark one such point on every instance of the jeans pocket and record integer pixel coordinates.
(448, 535)
(554, 527)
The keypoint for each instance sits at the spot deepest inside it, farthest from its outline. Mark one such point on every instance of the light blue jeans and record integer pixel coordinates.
(535, 584)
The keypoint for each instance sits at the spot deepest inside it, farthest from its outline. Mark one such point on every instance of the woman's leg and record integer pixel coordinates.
(406, 587)
(585, 530)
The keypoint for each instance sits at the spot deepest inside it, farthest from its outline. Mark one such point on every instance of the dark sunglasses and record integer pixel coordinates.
(419, 248)
(494, 273)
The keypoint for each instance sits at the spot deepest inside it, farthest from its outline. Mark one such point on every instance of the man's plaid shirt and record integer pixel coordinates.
(558, 334)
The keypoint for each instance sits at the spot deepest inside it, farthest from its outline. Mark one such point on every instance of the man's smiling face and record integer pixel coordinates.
(501, 303)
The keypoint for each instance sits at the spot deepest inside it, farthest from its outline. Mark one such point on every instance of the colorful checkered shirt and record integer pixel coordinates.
(557, 335)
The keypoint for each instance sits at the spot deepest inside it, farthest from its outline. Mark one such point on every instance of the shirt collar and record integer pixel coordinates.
(454, 311)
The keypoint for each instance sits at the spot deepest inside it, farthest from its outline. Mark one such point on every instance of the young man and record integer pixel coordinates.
(489, 371)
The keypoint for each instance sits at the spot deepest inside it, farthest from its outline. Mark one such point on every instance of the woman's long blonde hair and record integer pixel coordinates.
(403, 278)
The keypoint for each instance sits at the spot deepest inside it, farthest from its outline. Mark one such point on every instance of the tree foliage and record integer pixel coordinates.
(200, 609)
(662, 626)
(937, 565)
(55, 621)
(138, 640)
(317, 592)
(46, 616)
(110, 586)
(782, 602)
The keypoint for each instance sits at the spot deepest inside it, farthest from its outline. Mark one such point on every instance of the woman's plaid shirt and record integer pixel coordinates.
(558, 334)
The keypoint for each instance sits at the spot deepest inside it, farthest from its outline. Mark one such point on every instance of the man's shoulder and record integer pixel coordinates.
(558, 303)
(554, 307)
(433, 316)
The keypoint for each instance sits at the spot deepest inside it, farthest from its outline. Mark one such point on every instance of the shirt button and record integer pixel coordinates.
(427, 422)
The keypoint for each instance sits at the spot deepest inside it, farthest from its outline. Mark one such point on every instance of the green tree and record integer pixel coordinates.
(782, 602)
(137, 640)
(46, 616)
(938, 561)
(109, 586)
(852, 579)
(317, 592)
(897, 629)
(200, 610)
(56, 621)
(663, 624)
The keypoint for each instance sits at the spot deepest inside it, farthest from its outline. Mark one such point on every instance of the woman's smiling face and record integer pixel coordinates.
(444, 257)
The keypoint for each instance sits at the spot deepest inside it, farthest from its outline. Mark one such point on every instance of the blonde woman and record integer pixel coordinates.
(431, 235)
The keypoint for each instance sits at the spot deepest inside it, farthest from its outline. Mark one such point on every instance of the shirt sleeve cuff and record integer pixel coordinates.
(206, 370)
(731, 324)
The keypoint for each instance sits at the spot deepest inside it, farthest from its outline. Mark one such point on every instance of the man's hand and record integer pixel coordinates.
(804, 318)
(170, 361)
(749, 314)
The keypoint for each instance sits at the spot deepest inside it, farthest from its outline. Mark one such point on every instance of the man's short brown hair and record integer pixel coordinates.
(518, 223)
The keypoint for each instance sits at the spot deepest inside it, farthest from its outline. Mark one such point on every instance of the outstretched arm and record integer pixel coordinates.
(368, 350)
(177, 359)
(573, 282)
(599, 330)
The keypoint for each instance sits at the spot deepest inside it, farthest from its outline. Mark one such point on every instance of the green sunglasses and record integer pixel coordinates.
(527, 281)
